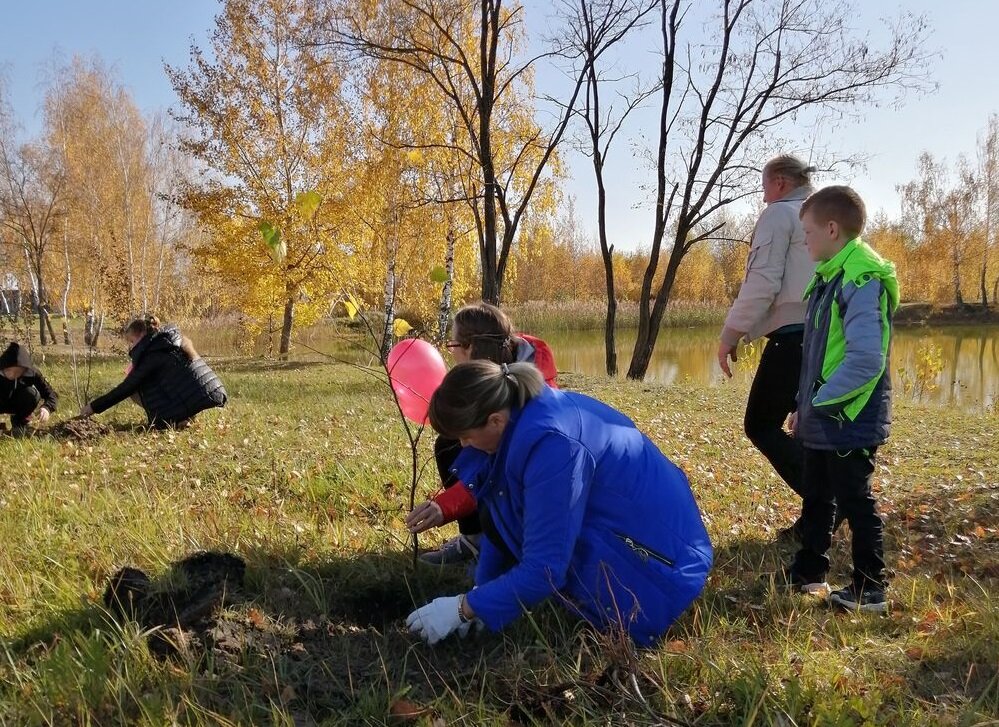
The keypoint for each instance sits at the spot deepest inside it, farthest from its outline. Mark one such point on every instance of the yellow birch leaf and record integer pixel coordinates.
(401, 327)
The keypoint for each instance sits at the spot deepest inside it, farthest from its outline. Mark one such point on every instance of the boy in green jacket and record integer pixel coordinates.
(844, 395)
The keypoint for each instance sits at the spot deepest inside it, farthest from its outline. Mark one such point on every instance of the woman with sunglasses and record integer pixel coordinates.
(479, 331)
(166, 377)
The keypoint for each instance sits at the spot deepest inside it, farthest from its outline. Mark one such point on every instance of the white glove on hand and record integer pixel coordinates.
(438, 619)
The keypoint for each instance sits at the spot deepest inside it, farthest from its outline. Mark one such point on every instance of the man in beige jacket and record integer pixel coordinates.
(770, 304)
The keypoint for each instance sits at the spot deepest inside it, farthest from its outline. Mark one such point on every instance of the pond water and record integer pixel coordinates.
(950, 366)
(943, 365)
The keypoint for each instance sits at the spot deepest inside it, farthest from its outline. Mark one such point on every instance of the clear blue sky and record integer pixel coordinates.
(135, 37)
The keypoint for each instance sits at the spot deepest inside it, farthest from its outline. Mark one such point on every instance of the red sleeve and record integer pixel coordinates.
(544, 359)
(456, 501)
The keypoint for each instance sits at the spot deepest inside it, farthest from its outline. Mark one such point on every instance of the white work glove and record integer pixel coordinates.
(438, 620)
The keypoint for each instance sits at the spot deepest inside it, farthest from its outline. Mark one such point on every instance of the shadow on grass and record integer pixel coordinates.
(325, 642)
(314, 639)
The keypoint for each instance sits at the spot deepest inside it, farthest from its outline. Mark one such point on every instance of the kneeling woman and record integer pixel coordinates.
(576, 504)
(167, 378)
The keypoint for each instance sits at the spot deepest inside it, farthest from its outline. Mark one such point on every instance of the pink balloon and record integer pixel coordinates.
(415, 369)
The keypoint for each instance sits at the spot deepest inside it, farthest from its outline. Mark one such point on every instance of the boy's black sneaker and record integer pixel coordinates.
(856, 599)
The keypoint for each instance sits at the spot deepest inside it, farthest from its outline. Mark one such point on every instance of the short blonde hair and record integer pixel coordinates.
(840, 204)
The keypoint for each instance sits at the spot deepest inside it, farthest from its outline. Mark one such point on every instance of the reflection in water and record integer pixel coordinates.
(970, 357)
(969, 377)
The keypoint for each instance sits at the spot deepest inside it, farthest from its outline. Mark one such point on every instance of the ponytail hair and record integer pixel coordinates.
(143, 325)
(473, 390)
(791, 168)
(486, 331)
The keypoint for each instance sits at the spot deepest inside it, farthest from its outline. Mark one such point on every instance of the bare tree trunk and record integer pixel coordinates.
(606, 250)
(610, 324)
(89, 328)
(389, 309)
(143, 283)
(45, 323)
(36, 301)
(490, 277)
(44, 319)
(69, 276)
(444, 313)
(97, 331)
(286, 326)
(984, 289)
(48, 322)
(159, 275)
(645, 344)
(489, 32)
(956, 260)
(607, 253)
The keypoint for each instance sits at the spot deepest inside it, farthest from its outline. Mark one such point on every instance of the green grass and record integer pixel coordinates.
(302, 476)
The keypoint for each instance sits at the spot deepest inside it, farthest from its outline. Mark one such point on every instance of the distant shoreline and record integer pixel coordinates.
(926, 314)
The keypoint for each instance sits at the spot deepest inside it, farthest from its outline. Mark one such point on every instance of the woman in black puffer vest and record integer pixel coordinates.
(167, 378)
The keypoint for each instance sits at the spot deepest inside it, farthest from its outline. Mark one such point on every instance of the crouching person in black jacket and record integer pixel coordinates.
(22, 389)
(167, 377)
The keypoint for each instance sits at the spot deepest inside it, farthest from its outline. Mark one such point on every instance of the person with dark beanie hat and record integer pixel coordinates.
(22, 389)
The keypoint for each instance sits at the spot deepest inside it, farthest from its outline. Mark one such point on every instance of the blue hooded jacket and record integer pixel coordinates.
(844, 390)
(593, 514)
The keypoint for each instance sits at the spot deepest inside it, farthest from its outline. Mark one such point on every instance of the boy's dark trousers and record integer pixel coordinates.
(445, 453)
(21, 405)
(840, 480)
(771, 399)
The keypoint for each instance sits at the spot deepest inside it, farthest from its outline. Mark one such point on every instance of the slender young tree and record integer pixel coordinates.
(941, 215)
(269, 124)
(470, 50)
(597, 26)
(32, 190)
(988, 176)
(101, 140)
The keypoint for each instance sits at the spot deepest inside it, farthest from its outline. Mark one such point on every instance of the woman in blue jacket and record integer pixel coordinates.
(577, 504)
